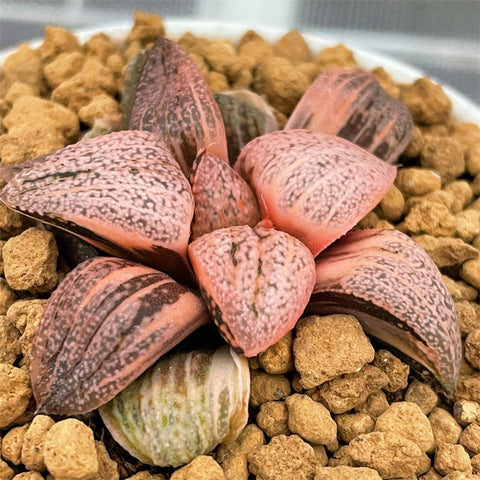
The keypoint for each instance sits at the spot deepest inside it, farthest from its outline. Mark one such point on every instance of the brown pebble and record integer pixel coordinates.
(57, 40)
(396, 371)
(10, 347)
(32, 448)
(450, 458)
(445, 428)
(462, 194)
(146, 28)
(279, 357)
(408, 420)
(293, 47)
(202, 467)
(431, 218)
(350, 425)
(470, 439)
(311, 420)
(15, 393)
(12, 444)
(415, 182)
(467, 224)
(69, 451)
(386, 81)
(11, 222)
(351, 390)
(392, 204)
(284, 458)
(280, 82)
(265, 387)
(30, 261)
(427, 101)
(24, 65)
(423, 395)
(6, 473)
(272, 418)
(466, 412)
(472, 348)
(7, 296)
(470, 272)
(341, 457)
(445, 156)
(475, 461)
(375, 404)
(336, 56)
(344, 472)
(392, 455)
(468, 315)
(446, 251)
(415, 146)
(468, 387)
(329, 346)
(460, 290)
(63, 67)
(432, 474)
(251, 438)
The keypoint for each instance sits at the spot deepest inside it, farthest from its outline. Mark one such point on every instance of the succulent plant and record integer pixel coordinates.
(127, 193)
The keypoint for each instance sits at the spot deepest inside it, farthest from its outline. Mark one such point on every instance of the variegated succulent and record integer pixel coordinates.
(249, 240)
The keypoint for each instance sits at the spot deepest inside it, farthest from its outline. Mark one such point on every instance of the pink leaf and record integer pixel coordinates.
(222, 197)
(313, 185)
(256, 283)
(122, 192)
(174, 101)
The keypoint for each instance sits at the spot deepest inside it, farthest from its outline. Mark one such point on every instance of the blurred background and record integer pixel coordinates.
(440, 37)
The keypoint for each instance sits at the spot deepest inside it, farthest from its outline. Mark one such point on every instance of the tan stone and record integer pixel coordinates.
(445, 428)
(329, 346)
(423, 395)
(396, 371)
(345, 472)
(279, 357)
(70, 452)
(350, 425)
(202, 467)
(15, 393)
(32, 448)
(392, 455)
(272, 418)
(311, 420)
(408, 420)
(265, 387)
(450, 458)
(284, 458)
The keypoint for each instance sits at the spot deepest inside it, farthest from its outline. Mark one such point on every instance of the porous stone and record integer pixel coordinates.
(472, 348)
(265, 387)
(392, 455)
(284, 458)
(461, 194)
(408, 420)
(32, 448)
(12, 444)
(466, 412)
(445, 428)
(69, 451)
(443, 155)
(392, 204)
(423, 395)
(311, 420)
(450, 458)
(351, 390)
(279, 357)
(350, 425)
(396, 371)
(272, 418)
(415, 182)
(344, 472)
(460, 290)
(446, 251)
(15, 393)
(10, 347)
(375, 404)
(470, 272)
(30, 261)
(470, 438)
(468, 315)
(329, 346)
(202, 467)
(431, 218)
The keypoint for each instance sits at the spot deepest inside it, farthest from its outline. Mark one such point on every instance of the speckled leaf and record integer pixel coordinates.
(243, 121)
(174, 101)
(351, 103)
(313, 185)
(107, 322)
(122, 192)
(183, 406)
(256, 282)
(222, 197)
(393, 287)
